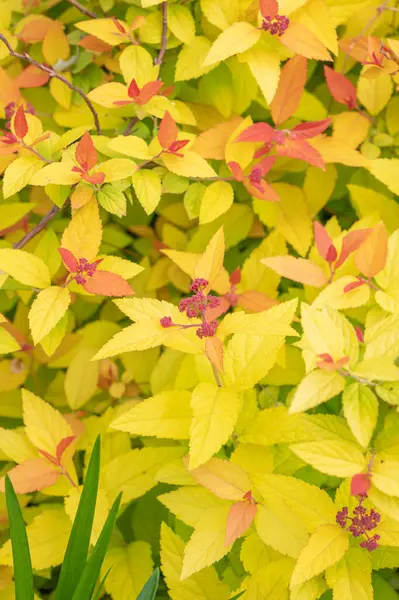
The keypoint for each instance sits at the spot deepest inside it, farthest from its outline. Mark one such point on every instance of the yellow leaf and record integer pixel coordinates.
(265, 67)
(12, 213)
(125, 268)
(286, 7)
(16, 445)
(130, 145)
(210, 264)
(204, 586)
(191, 58)
(19, 173)
(269, 581)
(26, 268)
(181, 23)
(315, 388)
(326, 547)
(335, 150)
(300, 40)
(7, 342)
(61, 93)
(361, 411)
(59, 173)
(189, 165)
(109, 93)
(310, 590)
(137, 63)
(334, 457)
(83, 234)
(279, 528)
(292, 217)
(237, 38)
(48, 308)
(335, 297)
(375, 94)
(46, 549)
(386, 170)
(148, 187)
(350, 578)
(385, 477)
(215, 412)
(116, 169)
(216, 201)
(315, 15)
(81, 379)
(55, 44)
(207, 543)
(101, 511)
(221, 14)
(53, 339)
(297, 269)
(45, 426)
(354, 122)
(190, 503)
(275, 321)
(367, 201)
(166, 415)
(105, 30)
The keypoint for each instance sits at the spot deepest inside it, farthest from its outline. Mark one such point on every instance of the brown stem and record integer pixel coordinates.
(217, 376)
(27, 58)
(357, 378)
(83, 10)
(67, 475)
(130, 126)
(36, 152)
(159, 58)
(37, 229)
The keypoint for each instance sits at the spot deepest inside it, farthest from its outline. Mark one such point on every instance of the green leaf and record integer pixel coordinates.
(20, 548)
(78, 545)
(87, 582)
(150, 589)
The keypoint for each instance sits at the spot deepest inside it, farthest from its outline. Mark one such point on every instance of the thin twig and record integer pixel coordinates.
(130, 126)
(83, 10)
(37, 229)
(26, 57)
(159, 58)
(36, 152)
(217, 376)
(357, 378)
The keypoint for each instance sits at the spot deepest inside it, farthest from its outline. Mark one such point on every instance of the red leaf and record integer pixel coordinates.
(176, 146)
(85, 153)
(354, 285)
(63, 445)
(235, 168)
(118, 25)
(266, 164)
(69, 260)
(31, 77)
(168, 131)
(263, 191)
(269, 8)
(290, 89)
(31, 476)
(324, 243)
(20, 123)
(235, 277)
(351, 242)
(148, 91)
(133, 91)
(305, 131)
(341, 89)
(105, 283)
(49, 457)
(301, 150)
(95, 178)
(359, 334)
(360, 484)
(240, 517)
(259, 132)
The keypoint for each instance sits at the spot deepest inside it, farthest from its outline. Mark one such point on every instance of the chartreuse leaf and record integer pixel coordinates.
(25, 267)
(150, 589)
(76, 553)
(361, 411)
(350, 578)
(84, 232)
(23, 574)
(237, 38)
(88, 579)
(47, 310)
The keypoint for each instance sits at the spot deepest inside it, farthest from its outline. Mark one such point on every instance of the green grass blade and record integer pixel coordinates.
(79, 540)
(101, 586)
(87, 582)
(150, 589)
(238, 595)
(23, 574)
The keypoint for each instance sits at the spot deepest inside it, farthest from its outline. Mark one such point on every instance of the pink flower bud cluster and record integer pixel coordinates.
(276, 25)
(85, 267)
(195, 307)
(361, 523)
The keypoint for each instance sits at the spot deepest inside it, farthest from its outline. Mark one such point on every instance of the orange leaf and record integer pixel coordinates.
(148, 91)
(254, 301)
(31, 476)
(297, 269)
(372, 255)
(300, 40)
(301, 150)
(351, 242)
(31, 77)
(85, 153)
(69, 260)
(212, 143)
(105, 283)
(20, 123)
(63, 445)
(55, 44)
(324, 243)
(269, 8)
(341, 89)
(214, 351)
(9, 91)
(259, 132)
(290, 89)
(240, 517)
(168, 131)
(223, 478)
(93, 44)
(35, 30)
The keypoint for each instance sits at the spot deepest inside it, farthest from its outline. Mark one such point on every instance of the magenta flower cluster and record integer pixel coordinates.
(84, 266)
(361, 522)
(276, 25)
(195, 307)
